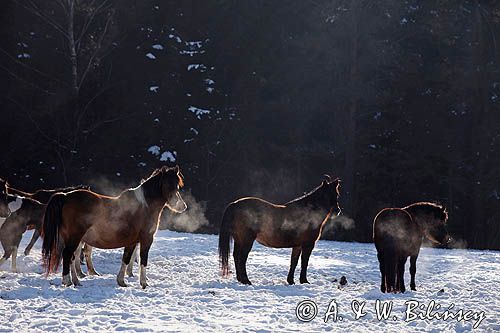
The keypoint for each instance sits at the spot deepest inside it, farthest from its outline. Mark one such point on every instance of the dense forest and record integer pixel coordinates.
(400, 99)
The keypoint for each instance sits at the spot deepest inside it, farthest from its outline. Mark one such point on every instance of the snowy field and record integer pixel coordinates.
(186, 293)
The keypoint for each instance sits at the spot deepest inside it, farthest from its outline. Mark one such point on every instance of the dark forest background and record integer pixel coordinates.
(398, 98)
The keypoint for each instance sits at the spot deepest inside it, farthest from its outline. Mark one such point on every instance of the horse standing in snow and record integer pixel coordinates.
(398, 234)
(31, 210)
(26, 213)
(296, 224)
(108, 222)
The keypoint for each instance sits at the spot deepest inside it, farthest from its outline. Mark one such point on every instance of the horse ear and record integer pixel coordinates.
(328, 178)
(324, 183)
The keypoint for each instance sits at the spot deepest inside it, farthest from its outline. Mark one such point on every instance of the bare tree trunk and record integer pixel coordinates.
(72, 50)
(480, 132)
(350, 154)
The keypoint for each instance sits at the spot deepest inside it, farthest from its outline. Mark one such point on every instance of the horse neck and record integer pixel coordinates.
(416, 215)
(312, 200)
(151, 192)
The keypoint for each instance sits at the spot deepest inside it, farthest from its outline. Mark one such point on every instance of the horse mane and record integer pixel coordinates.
(17, 196)
(64, 189)
(308, 194)
(430, 207)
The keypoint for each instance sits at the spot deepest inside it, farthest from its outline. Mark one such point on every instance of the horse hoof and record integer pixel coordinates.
(82, 275)
(94, 273)
(290, 281)
(304, 281)
(26, 253)
(144, 285)
(121, 283)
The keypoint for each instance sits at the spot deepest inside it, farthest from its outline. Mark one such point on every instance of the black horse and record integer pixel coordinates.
(398, 234)
(296, 224)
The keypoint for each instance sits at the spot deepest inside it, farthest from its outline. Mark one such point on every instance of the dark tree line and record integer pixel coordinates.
(398, 98)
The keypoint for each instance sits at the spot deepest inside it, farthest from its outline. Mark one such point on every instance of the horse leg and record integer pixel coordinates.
(34, 238)
(413, 271)
(15, 245)
(130, 265)
(306, 253)
(401, 274)
(244, 251)
(380, 257)
(127, 255)
(77, 262)
(293, 264)
(145, 245)
(236, 256)
(68, 264)
(87, 250)
(13, 264)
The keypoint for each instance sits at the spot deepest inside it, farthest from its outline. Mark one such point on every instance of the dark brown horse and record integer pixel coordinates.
(31, 212)
(28, 215)
(108, 222)
(398, 234)
(296, 224)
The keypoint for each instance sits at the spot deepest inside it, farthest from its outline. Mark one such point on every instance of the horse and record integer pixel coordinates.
(108, 222)
(26, 214)
(296, 224)
(33, 200)
(4, 200)
(398, 234)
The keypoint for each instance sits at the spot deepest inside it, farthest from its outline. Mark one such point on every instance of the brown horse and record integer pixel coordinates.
(31, 213)
(4, 200)
(108, 222)
(398, 234)
(28, 215)
(296, 224)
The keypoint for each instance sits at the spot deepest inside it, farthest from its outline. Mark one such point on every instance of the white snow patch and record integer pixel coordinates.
(155, 150)
(186, 292)
(198, 112)
(168, 156)
(157, 47)
(201, 67)
(177, 38)
(150, 56)
(154, 88)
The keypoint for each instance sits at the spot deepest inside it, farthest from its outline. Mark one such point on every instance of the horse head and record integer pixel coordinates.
(4, 200)
(332, 190)
(171, 181)
(435, 228)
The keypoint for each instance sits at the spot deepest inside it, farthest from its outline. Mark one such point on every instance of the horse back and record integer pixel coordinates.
(395, 228)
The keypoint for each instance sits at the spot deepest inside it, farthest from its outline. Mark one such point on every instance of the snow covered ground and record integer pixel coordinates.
(186, 292)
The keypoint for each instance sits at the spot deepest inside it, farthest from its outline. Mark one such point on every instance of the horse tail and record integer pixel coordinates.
(390, 263)
(225, 240)
(52, 242)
